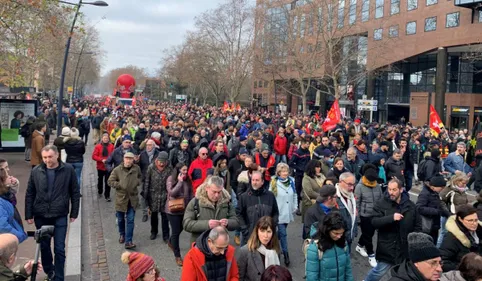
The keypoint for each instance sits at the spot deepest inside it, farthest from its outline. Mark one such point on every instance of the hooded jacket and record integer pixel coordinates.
(406, 271)
(197, 221)
(433, 167)
(367, 194)
(456, 244)
(392, 244)
(198, 171)
(200, 264)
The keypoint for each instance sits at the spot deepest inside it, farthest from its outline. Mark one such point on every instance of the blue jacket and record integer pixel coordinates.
(456, 162)
(244, 131)
(334, 265)
(8, 224)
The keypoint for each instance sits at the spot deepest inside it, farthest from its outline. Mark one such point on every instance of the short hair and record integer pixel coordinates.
(351, 150)
(257, 173)
(49, 147)
(39, 126)
(8, 246)
(326, 197)
(346, 175)
(461, 144)
(397, 151)
(282, 166)
(397, 181)
(218, 231)
(217, 181)
(465, 210)
(470, 267)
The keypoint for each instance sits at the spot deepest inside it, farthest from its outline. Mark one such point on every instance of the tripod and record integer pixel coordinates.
(45, 232)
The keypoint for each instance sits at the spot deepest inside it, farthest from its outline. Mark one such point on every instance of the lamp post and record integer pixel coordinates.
(66, 56)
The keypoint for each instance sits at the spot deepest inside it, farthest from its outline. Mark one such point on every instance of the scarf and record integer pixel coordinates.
(319, 180)
(270, 256)
(346, 196)
(368, 183)
(105, 151)
(150, 154)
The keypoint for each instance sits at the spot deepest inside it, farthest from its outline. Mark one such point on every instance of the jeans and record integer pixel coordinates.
(367, 232)
(283, 236)
(155, 224)
(60, 233)
(85, 138)
(298, 186)
(280, 158)
(124, 219)
(176, 228)
(378, 271)
(102, 177)
(443, 231)
(78, 171)
(408, 180)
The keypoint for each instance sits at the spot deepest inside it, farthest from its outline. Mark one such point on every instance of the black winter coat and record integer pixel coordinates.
(430, 206)
(314, 214)
(456, 244)
(406, 271)
(392, 245)
(75, 149)
(254, 204)
(395, 169)
(177, 155)
(96, 122)
(140, 136)
(40, 201)
(144, 161)
(433, 167)
(299, 160)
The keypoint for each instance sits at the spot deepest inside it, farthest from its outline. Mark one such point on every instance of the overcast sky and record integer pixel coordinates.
(137, 31)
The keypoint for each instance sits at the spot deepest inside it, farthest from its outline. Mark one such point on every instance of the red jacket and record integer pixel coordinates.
(280, 145)
(270, 164)
(198, 172)
(194, 261)
(97, 155)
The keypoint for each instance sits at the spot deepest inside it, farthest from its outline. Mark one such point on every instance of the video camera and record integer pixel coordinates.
(44, 233)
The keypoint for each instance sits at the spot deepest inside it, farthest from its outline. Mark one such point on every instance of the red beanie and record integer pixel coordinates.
(139, 264)
(357, 120)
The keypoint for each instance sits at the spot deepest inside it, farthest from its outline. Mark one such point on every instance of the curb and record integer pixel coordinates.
(73, 262)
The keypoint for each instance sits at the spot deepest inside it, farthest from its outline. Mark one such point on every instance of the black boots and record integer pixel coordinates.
(286, 257)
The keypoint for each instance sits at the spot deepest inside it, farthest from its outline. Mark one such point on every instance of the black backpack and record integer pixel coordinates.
(25, 131)
(421, 171)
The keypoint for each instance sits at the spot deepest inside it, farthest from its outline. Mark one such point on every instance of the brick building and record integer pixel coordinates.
(388, 49)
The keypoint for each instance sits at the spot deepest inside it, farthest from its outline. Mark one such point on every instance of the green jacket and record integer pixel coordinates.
(196, 222)
(6, 274)
(125, 182)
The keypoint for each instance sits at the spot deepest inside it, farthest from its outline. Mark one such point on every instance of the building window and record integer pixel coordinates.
(255, 84)
(330, 17)
(352, 17)
(431, 2)
(295, 27)
(452, 20)
(378, 34)
(393, 31)
(412, 5)
(341, 13)
(320, 20)
(430, 24)
(379, 9)
(365, 16)
(394, 7)
(260, 84)
(411, 27)
(302, 25)
(266, 84)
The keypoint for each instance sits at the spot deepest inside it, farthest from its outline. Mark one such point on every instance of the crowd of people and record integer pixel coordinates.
(210, 172)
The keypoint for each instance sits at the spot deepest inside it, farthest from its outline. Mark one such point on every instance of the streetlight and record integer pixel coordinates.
(66, 55)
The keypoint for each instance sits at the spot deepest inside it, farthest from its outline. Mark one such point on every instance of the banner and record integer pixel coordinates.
(332, 118)
(436, 124)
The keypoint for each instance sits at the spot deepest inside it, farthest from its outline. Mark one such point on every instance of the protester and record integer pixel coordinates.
(260, 252)
(456, 163)
(462, 237)
(469, 269)
(147, 157)
(10, 220)
(52, 186)
(347, 205)
(283, 188)
(337, 169)
(325, 203)
(75, 150)
(199, 168)
(101, 153)
(126, 179)
(209, 208)
(312, 182)
(8, 255)
(298, 163)
(424, 262)
(38, 142)
(395, 166)
(211, 251)
(26, 133)
(276, 273)
(327, 256)
(352, 163)
(141, 267)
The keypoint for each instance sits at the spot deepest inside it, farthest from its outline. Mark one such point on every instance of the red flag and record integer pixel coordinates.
(134, 101)
(332, 118)
(317, 116)
(226, 106)
(436, 124)
(107, 101)
(238, 107)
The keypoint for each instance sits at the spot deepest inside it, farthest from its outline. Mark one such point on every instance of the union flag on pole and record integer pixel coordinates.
(333, 117)
(233, 106)
(225, 106)
(436, 124)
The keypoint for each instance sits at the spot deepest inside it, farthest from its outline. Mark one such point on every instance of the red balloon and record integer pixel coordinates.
(126, 84)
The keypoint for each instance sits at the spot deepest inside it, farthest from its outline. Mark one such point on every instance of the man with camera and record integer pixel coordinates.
(51, 187)
(8, 255)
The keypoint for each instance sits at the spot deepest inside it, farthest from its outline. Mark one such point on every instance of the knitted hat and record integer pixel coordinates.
(163, 156)
(438, 181)
(74, 132)
(371, 174)
(264, 147)
(421, 247)
(139, 264)
(65, 131)
(218, 157)
(357, 120)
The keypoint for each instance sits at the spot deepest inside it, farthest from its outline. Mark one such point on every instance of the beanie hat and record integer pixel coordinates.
(65, 131)
(139, 264)
(357, 120)
(264, 147)
(74, 132)
(371, 174)
(421, 247)
(163, 156)
(438, 181)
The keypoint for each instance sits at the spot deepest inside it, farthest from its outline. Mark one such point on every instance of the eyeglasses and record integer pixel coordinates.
(349, 184)
(472, 221)
(204, 154)
(435, 264)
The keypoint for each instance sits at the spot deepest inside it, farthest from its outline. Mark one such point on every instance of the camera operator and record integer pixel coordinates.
(8, 254)
(51, 187)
